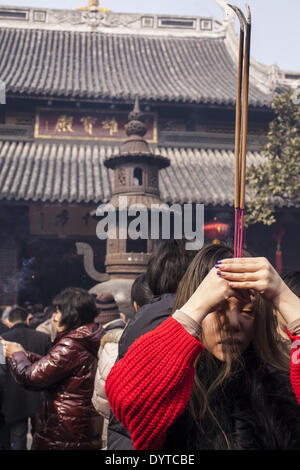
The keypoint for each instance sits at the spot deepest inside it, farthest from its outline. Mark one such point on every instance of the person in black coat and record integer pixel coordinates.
(19, 404)
(4, 438)
(165, 269)
(3, 327)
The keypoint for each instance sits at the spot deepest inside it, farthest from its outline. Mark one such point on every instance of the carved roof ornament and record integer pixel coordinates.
(136, 147)
(136, 118)
(93, 5)
(96, 17)
(228, 12)
(136, 129)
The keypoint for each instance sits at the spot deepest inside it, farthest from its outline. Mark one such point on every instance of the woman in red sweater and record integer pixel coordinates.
(215, 375)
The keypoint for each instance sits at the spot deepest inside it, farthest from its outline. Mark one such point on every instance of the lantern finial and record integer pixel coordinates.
(93, 5)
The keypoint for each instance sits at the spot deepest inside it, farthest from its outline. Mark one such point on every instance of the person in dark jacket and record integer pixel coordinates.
(4, 317)
(3, 327)
(67, 419)
(4, 431)
(18, 404)
(165, 269)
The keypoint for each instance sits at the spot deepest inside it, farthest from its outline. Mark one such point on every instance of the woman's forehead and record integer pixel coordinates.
(250, 301)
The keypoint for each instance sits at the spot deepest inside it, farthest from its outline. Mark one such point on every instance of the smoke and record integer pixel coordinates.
(26, 272)
(19, 280)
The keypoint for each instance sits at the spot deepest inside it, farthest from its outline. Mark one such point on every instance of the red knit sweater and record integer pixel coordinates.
(150, 387)
(295, 364)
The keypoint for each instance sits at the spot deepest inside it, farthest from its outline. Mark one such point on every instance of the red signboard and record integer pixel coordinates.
(88, 125)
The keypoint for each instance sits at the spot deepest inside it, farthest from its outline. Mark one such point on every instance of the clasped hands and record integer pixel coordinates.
(10, 347)
(240, 277)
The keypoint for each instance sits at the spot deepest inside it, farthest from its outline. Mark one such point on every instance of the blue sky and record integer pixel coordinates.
(276, 23)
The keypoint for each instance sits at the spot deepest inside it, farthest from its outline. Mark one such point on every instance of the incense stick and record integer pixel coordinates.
(241, 127)
(244, 128)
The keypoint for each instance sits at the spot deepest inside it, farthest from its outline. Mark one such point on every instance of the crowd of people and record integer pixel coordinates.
(209, 360)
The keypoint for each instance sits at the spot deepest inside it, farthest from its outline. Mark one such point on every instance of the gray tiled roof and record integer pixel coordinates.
(94, 65)
(75, 173)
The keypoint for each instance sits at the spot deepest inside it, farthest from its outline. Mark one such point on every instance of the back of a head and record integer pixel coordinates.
(107, 308)
(49, 310)
(28, 307)
(167, 265)
(38, 308)
(140, 291)
(292, 280)
(77, 307)
(17, 315)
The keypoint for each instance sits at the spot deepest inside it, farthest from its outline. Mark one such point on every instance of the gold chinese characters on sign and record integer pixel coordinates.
(64, 123)
(87, 125)
(112, 125)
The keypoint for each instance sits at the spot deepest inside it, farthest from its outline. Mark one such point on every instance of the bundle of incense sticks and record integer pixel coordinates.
(241, 126)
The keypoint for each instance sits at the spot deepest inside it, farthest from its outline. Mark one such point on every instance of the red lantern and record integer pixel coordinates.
(216, 231)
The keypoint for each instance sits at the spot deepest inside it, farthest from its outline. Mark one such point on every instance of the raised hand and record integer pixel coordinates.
(258, 274)
(212, 291)
(9, 347)
(252, 273)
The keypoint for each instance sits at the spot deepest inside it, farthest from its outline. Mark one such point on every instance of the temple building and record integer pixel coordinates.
(71, 79)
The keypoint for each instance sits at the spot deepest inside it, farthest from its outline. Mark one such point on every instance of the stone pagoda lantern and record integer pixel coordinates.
(136, 170)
